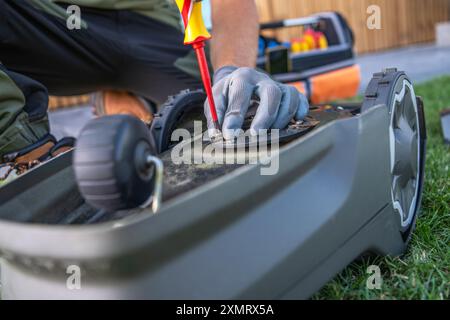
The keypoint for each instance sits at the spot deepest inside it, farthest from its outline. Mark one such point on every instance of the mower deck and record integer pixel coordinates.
(333, 198)
(265, 229)
(67, 207)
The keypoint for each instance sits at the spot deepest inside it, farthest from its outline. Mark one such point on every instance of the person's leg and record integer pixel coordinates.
(23, 118)
(67, 62)
(101, 56)
(39, 45)
(33, 44)
(119, 50)
(157, 64)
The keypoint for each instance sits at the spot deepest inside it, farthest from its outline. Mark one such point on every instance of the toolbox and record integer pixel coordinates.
(314, 69)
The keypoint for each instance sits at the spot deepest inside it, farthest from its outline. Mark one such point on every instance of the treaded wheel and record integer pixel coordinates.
(407, 140)
(180, 111)
(110, 163)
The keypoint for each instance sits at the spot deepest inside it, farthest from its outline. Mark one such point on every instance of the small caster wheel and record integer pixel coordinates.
(114, 164)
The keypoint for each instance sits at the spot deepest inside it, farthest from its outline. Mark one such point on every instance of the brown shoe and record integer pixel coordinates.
(43, 150)
(121, 102)
(15, 164)
(35, 152)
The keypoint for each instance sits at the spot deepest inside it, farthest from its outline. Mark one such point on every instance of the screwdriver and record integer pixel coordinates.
(196, 34)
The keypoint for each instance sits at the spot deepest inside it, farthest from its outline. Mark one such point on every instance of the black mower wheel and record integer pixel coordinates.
(179, 112)
(407, 141)
(110, 163)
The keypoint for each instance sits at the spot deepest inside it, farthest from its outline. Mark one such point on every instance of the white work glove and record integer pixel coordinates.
(233, 90)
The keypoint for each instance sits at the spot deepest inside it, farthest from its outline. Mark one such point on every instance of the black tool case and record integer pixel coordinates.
(340, 43)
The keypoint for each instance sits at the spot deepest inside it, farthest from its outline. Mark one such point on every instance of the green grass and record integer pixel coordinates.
(424, 271)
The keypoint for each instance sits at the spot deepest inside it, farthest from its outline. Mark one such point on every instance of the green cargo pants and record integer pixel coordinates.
(23, 118)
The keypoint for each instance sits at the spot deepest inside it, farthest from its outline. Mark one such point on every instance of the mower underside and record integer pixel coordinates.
(227, 231)
(53, 190)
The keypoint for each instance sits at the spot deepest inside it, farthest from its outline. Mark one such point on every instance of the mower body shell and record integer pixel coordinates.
(241, 236)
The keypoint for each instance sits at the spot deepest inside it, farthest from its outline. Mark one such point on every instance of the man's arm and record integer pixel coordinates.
(235, 33)
(237, 82)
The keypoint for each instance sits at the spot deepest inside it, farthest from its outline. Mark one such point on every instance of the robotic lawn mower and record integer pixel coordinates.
(139, 226)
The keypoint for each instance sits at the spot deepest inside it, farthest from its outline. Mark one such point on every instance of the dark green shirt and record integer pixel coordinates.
(162, 10)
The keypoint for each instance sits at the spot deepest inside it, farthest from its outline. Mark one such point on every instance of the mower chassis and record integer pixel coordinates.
(249, 241)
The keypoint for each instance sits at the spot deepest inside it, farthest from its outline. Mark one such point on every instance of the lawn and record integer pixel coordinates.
(424, 271)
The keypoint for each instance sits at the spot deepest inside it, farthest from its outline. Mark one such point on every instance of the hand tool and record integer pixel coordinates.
(196, 34)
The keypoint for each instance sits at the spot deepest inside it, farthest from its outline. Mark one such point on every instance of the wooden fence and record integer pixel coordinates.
(403, 22)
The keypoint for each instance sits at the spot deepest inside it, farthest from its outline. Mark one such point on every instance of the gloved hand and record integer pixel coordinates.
(233, 91)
